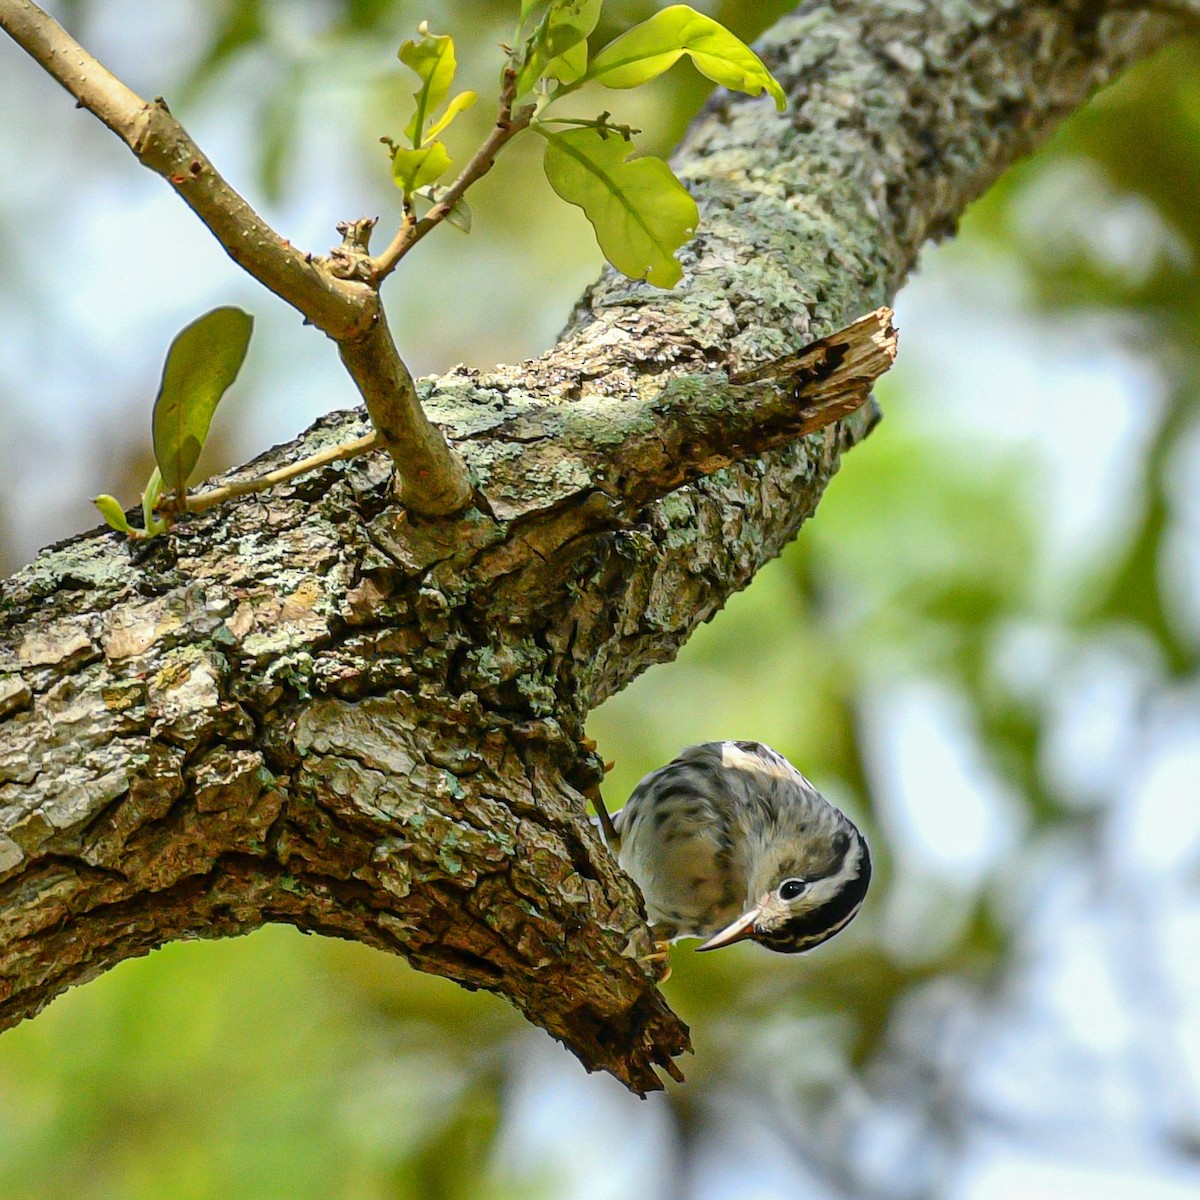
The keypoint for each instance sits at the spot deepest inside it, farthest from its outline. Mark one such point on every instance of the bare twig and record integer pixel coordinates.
(601, 124)
(508, 125)
(434, 481)
(244, 487)
(163, 145)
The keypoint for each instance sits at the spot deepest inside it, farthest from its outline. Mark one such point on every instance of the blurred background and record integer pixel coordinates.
(984, 648)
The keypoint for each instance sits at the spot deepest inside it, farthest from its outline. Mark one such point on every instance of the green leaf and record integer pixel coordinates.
(460, 103)
(150, 497)
(649, 49)
(460, 212)
(113, 513)
(568, 23)
(641, 213)
(569, 66)
(412, 169)
(460, 216)
(432, 58)
(557, 45)
(203, 361)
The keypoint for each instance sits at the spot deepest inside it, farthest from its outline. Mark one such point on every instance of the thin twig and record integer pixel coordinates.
(611, 838)
(601, 124)
(163, 145)
(244, 487)
(508, 125)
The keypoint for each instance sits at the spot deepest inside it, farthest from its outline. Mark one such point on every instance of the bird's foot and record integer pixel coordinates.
(660, 959)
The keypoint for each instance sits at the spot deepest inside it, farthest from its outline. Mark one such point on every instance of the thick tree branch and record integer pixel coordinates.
(433, 481)
(303, 706)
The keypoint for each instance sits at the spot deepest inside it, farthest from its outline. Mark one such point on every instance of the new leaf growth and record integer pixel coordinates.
(426, 159)
(640, 212)
(202, 363)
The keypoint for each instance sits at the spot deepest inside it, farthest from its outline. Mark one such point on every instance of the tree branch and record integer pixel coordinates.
(160, 143)
(199, 501)
(433, 481)
(302, 706)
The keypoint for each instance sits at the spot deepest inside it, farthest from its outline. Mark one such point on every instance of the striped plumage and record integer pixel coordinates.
(730, 841)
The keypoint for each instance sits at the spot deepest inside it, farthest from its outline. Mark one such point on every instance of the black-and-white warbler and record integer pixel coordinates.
(729, 841)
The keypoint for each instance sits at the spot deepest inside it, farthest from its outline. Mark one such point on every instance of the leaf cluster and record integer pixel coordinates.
(639, 210)
(426, 159)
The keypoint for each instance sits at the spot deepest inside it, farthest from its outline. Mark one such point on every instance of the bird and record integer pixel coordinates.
(729, 842)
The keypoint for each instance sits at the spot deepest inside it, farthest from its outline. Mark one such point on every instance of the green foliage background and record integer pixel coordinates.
(279, 1065)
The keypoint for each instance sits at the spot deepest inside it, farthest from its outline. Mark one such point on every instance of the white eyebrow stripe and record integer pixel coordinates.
(826, 888)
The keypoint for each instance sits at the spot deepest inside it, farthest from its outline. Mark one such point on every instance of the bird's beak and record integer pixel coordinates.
(742, 928)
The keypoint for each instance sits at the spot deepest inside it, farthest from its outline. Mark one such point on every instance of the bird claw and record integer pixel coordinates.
(660, 959)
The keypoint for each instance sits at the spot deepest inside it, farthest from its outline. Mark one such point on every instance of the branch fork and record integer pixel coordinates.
(339, 296)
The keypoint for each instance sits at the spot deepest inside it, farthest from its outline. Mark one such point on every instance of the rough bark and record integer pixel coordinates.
(306, 707)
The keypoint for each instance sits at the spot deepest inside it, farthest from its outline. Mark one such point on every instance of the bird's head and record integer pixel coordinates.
(807, 886)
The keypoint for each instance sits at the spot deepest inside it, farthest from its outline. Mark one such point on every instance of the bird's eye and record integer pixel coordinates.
(789, 889)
